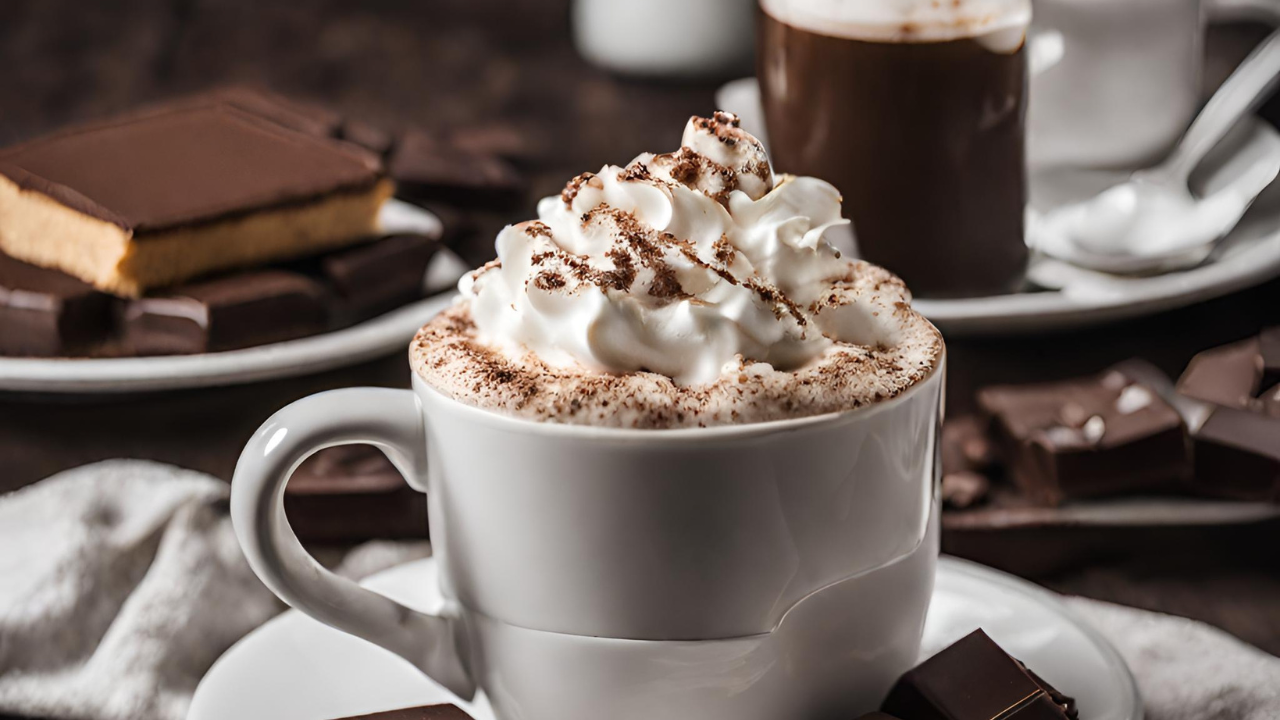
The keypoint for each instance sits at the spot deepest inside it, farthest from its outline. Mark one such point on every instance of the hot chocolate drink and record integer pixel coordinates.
(686, 289)
(915, 110)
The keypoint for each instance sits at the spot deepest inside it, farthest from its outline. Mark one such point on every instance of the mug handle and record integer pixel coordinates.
(392, 421)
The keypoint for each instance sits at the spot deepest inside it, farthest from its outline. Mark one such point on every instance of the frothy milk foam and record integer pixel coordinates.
(686, 289)
(1000, 24)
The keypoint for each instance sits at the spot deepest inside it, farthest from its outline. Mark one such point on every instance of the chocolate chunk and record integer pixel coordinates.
(1237, 455)
(371, 279)
(1229, 375)
(503, 139)
(352, 493)
(426, 712)
(368, 136)
(239, 310)
(974, 679)
(1105, 435)
(45, 313)
(426, 170)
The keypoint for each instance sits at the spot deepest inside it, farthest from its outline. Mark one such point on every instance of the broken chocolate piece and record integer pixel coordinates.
(1229, 375)
(371, 279)
(352, 493)
(240, 310)
(426, 712)
(1091, 437)
(975, 679)
(1237, 455)
(45, 313)
(428, 171)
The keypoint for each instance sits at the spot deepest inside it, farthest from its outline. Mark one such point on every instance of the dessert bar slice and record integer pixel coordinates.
(154, 199)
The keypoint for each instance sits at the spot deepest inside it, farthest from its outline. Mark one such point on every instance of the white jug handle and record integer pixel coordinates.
(391, 420)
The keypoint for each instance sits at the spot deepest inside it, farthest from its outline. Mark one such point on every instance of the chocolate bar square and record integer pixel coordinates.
(239, 310)
(353, 493)
(426, 712)
(975, 679)
(429, 171)
(1092, 437)
(379, 276)
(1229, 375)
(1237, 455)
(45, 313)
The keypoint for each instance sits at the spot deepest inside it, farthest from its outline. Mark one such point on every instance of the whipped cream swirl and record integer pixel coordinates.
(687, 264)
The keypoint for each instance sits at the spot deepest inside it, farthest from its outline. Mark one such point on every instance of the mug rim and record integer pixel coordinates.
(498, 420)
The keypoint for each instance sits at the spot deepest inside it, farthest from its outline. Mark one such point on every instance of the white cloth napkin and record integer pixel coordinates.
(121, 583)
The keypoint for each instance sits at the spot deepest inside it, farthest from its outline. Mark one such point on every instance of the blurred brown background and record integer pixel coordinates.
(507, 66)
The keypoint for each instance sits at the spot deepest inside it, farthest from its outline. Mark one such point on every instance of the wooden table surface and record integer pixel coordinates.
(449, 64)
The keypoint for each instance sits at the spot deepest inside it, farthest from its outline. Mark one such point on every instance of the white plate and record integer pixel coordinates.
(294, 668)
(1250, 256)
(370, 339)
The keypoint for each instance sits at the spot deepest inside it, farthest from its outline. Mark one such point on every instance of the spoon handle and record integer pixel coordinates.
(1240, 94)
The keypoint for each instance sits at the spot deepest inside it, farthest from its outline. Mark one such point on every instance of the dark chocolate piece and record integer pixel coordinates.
(521, 145)
(45, 313)
(1229, 375)
(426, 712)
(371, 279)
(428, 171)
(353, 493)
(239, 310)
(1105, 435)
(1237, 455)
(368, 136)
(974, 679)
(157, 171)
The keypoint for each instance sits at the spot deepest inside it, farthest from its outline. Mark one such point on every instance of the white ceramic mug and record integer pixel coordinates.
(1115, 83)
(742, 572)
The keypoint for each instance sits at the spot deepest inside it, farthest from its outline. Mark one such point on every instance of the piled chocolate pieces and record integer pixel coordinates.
(1126, 431)
(45, 312)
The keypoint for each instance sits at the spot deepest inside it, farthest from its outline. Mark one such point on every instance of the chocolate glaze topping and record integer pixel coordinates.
(157, 171)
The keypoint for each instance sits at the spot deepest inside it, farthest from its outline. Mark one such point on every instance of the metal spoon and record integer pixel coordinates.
(1153, 222)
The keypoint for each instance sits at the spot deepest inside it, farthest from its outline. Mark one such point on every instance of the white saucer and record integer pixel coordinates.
(1250, 255)
(370, 339)
(294, 668)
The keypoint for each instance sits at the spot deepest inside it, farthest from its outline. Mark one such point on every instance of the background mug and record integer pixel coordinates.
(1115, 83)
(740, 571)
